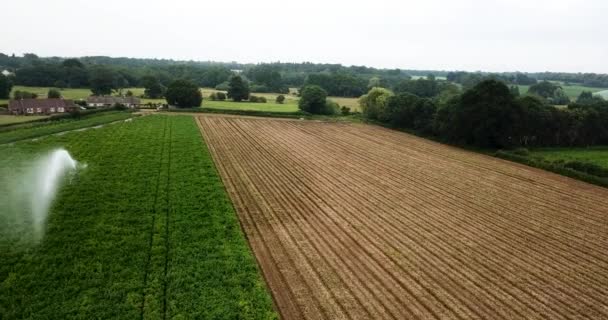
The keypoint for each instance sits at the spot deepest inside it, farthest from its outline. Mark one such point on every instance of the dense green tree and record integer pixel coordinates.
(410, 111)
(6, 86)
(53, 94)
(280, 99)
(103, 81)
(153, 89)
(373, 104)
(238, 89)
(267, 76)
(543, 89)
(484, 116)
(184, 94)
(313, 99)
(72, 63)
(18, 94)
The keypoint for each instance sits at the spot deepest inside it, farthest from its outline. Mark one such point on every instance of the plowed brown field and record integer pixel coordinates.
(356, 221)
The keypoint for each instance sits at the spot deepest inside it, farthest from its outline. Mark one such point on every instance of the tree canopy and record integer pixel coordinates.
(184, 94)
(313, 99)
(238, 89)
(6, 86)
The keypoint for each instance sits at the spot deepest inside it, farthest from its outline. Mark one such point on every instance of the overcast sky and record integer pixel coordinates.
(488, 35)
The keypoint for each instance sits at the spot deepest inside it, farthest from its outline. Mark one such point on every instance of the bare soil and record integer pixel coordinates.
(351, 221)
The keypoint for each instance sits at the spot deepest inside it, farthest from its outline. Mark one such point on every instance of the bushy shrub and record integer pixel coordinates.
(345, 110)
(220, 96)
(257, 99)
(330, 108)
(588, 168)
(521, 152)
(280, 99)
(213, 96)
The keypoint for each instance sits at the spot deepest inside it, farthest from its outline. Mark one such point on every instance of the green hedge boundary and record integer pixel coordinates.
(558, 168)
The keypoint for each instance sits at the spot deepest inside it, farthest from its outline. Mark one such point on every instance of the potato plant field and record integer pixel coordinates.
(351, 221)
(143, 230)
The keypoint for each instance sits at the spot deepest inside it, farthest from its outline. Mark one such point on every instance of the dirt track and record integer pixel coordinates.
(356, 221)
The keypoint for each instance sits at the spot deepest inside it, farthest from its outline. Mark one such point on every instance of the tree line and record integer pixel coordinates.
(491, 115)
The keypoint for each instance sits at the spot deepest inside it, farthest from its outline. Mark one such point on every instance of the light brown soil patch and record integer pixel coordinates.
(356, 221)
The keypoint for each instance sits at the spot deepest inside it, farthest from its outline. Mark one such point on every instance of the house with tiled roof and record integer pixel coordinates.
(109, 101)
(40, 106)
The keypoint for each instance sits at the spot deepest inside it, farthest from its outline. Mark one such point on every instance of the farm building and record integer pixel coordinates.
(109, 101)
(40, 106)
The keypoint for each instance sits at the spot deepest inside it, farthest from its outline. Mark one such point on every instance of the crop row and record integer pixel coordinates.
(353, 221)
(144, 231)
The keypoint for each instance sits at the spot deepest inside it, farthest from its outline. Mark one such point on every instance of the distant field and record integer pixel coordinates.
(573, 91)
(595, 155)
(291, 101)
(268, 106)
(604, 94)
(6, 119)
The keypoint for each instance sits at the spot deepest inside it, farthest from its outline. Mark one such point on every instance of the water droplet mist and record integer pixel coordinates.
(48, 175)
(29, 194)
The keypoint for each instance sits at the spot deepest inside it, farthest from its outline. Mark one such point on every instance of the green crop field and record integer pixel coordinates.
(142, 230)
(38, 129)
(6, 119)
(595, 155)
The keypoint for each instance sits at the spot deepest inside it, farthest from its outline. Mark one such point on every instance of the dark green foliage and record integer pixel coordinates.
(313, 99)
(586, 167)
(54, 94)
(6, 86)
(184, 94)
(220, 96)
(213, 96)
(103, 81)
(24, 95)
(257, 99)
(153, 89)
(238, 89)
(550, 91)
(266, 78)
(338, 84)
(345, 110)
(515, 91)
(484, 116)
(409, 111)
(280, 99)
(557, 167)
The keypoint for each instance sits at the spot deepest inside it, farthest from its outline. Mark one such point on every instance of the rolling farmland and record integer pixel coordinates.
(354, 221)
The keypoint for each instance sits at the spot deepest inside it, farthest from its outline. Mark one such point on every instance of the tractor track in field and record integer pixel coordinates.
(153, 221)
(354, 221)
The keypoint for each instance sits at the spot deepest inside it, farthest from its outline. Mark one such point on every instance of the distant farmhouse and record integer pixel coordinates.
(109, 101)
(6, 73)
(40, 106)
